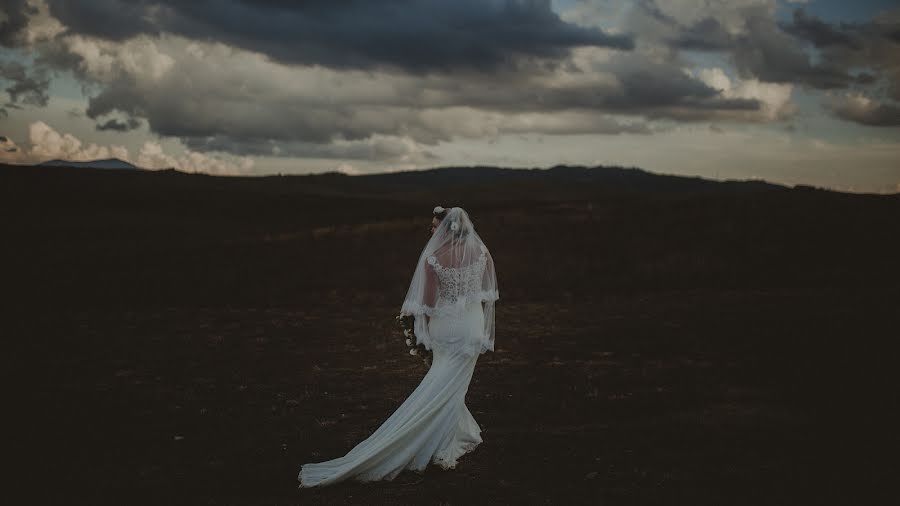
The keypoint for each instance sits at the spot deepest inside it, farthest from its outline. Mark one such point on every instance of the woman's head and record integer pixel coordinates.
(438, 214)
(455, 220)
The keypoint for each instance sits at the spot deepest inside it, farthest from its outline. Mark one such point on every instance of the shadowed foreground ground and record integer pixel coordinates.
(195, 346)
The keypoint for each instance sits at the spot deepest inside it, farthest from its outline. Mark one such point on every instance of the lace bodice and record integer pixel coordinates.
(455, 281)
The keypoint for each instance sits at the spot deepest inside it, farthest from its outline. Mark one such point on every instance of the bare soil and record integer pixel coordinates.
(182, 339)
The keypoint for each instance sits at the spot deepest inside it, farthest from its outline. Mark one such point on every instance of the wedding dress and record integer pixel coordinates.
(456, 290)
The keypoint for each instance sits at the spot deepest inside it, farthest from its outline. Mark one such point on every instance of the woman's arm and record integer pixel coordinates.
(431, 287)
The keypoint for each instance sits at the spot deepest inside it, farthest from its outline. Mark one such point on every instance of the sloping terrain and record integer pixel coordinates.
(189, 339)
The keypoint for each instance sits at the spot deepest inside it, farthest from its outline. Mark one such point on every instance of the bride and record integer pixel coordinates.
(451, 296)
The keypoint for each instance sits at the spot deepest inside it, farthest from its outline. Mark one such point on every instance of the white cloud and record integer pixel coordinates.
(152, 156)
(8, 150)
(41, 25)
(348, 169)
(774, 97)
(138, 58)
(45, 143)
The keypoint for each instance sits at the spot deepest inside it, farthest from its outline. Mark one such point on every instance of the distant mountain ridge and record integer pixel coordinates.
(629, 178)
(568, 177)
(108, 163)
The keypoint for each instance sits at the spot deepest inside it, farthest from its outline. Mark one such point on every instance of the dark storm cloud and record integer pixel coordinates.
(770, 54)
(860, 56)
(388, 77)
(383, 149)
(707, 34)
(111, 19)
(866, 112)
(242, 113)
(776, 52)
(647, 86)
(820, 33)
(416, 35)
(28, 85)
(764, 50)
(893, 34)
(871, 46)
(16, 20)
(119, 125)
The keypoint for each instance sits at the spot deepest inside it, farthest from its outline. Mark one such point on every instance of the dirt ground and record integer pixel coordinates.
(195, 344)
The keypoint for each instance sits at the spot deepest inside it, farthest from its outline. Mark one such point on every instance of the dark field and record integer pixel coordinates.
(186, 339)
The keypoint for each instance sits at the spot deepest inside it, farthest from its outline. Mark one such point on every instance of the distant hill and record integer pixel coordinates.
(109, 163)
(509, 183)
(629, 177)
(573, 178)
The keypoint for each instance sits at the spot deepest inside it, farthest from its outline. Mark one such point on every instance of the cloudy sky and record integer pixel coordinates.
(788, 91)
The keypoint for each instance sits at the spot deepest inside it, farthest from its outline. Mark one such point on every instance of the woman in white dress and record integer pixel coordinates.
(452, 296)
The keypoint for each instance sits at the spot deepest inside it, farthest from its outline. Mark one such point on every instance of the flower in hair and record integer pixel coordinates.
(438, 210)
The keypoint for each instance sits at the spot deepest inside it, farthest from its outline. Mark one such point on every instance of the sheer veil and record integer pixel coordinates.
(454, 245)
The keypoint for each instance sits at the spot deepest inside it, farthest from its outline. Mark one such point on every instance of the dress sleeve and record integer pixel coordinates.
(489, 291)
(490, 294)
(429, 300)
(431, 284)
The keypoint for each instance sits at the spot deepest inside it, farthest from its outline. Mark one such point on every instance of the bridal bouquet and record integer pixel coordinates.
(407, 324)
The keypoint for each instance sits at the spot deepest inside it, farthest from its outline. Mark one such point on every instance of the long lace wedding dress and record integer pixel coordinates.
(433, 425)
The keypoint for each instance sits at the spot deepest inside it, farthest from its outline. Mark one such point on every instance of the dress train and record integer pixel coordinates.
(432, 425)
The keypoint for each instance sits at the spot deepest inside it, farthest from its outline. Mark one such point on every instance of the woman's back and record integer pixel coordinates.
(454, 278)
(458, 277)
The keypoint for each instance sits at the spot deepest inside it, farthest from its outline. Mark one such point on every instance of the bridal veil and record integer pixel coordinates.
(457, 251)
